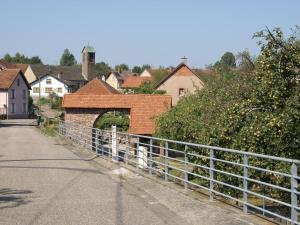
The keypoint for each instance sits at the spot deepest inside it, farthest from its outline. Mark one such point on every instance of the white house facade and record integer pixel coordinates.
(49, 84)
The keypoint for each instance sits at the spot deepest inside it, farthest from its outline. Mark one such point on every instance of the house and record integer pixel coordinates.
(146, 73)
(181, 81)
(116, 80)
(69, 78)
(14, 90)
(134, 81)
(50, 83)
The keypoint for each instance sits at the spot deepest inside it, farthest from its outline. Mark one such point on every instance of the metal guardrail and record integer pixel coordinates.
(258, 183)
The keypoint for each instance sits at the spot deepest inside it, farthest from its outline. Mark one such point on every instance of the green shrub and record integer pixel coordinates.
(121, 120)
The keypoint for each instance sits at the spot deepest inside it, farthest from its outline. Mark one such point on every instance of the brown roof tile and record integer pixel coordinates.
(8, 76)
(97, 87)
(143, 108)
(23, 67)
(134, 81)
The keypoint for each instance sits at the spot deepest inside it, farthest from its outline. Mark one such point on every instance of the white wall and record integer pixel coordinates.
(55, 84)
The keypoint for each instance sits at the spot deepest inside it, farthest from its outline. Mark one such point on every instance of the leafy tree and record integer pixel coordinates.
(228, 60)
(102, 68)
(246, 62)
(67, 58)
(137, 69)
(146, 66)
(20, 58)
(257, 112)
(7, 57)
(121, 67)
(121, 120)
(147, 88)
(158, 75)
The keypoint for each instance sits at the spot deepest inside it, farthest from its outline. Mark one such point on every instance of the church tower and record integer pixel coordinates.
(88, 62)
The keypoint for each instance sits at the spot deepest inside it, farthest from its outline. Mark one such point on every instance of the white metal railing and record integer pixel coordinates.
(258, 183)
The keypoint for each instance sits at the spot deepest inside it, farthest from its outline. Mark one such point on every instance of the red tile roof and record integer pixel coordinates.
(143, 108)
(6, 65)
(8, 76)
(134, 81)
(97, 87)
(23, 67)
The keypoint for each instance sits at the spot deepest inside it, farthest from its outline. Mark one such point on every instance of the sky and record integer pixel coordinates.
(137, 32)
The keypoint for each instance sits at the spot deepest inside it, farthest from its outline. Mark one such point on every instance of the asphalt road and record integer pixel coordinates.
(43, 182)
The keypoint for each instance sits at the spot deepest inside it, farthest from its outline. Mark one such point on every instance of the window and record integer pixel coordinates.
(36, 90)
(12, 94)
(24, 107)
(48, 81)
(24, 94)
(48, 90)
(59, 90)
(12, 108)
(92, 57)
(18, 82)
(181, 92)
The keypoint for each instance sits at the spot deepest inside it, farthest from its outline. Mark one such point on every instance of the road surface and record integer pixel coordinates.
(42, 181)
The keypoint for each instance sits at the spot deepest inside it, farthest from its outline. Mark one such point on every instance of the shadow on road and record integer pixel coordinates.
(10, 198)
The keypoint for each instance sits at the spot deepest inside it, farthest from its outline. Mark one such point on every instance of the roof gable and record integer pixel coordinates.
(181, 70)
(8, 76)
(97, 87)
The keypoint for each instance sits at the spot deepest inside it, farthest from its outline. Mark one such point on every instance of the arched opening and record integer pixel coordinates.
(102, 135)
(119, 118)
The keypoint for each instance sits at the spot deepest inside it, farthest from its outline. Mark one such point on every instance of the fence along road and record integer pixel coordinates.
(257, 183)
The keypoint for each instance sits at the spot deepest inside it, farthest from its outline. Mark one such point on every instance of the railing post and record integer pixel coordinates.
(97, 141)
(186, 167)
(166, 161)
(126, 148)
(211, 174)
(137, 152)
(102, 143)
(114, 145)
(294, 186)
(150, 157)
(245, 184)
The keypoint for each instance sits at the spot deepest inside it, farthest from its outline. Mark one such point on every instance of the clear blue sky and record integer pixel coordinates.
(158, 32)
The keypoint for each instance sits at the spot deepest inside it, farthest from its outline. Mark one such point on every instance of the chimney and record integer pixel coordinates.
(103, 78)
(59, 75)
(88, 62)
(184, 60)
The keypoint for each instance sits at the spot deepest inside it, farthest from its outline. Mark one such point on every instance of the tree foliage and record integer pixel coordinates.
(67, 58)
(257, 112)
(121, 120)
(102, 69)
(121, 67)
(20, 58)
(147, 88)
(137, 69)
